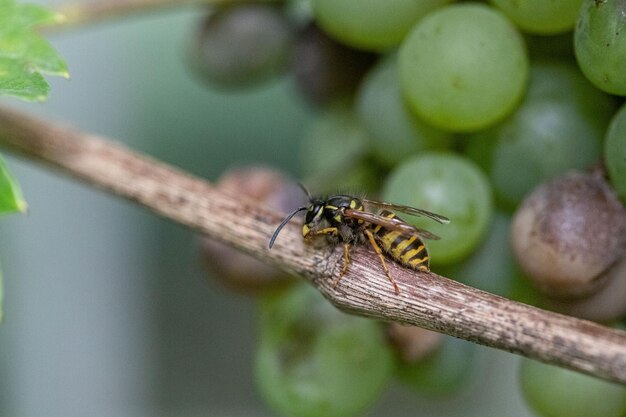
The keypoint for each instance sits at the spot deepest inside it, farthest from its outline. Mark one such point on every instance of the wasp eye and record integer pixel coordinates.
(313, 214)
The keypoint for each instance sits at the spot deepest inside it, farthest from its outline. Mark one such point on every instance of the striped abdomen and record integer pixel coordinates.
(406, 250)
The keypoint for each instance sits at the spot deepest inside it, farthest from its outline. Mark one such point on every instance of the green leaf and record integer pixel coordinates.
(24, 54)
(17, 82)
(11, 199)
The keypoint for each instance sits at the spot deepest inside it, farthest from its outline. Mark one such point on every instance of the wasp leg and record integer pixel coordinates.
(346, 258)
(346, 262)
(325, 231)
(370, 236)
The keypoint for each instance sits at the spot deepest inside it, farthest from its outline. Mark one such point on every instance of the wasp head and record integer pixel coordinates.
(314, 215)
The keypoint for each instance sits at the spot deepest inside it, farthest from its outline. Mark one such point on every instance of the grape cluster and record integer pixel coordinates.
(502, 116)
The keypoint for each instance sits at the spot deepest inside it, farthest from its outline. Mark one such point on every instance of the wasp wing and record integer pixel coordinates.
(391, 224)
(408, 210)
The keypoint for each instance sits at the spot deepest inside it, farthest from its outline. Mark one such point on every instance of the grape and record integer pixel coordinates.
(567, 232)
(444, 372)
(411, 343)
(314, 360)
(615, 152)
(335, 154)
(325, 70)
(559, 126)
(338, 126)
(299, 11)
(363, 179)
(600, 44)
(541, 16)
(244, 45)
(523, 291)
(371, 24)
(558, 392)
(235, 269)
(607, 305)
(463, 67)
(394, 132)
(450, 185)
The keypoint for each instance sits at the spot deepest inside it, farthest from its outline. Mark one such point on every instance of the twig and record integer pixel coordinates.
(426, 300)
(83, 13)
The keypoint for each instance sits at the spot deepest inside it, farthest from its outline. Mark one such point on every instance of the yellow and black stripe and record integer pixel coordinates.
(406, 250)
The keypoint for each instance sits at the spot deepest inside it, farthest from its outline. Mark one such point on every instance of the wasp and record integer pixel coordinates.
(344, 219)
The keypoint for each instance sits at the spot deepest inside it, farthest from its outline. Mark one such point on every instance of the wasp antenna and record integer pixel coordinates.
(284, 222)
(306, 191)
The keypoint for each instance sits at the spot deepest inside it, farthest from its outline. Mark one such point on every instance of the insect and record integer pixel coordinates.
(344, 219)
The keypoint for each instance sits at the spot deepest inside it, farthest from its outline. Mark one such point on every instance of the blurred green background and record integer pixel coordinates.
(108, 309)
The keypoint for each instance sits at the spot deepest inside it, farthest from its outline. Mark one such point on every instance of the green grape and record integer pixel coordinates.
(244, 45)
(334, 153)
(463, 67)
(394, 131)
(314, 360)
(335, 138)
(558, 392)
(299, 11)
(371, 24)
(615, 152)
(541, 16)
(558, 127)
(444, 372)
(450, 185)
(600, 44)
(523, 291)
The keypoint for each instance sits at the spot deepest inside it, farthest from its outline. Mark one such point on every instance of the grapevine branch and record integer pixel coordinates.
(426, 299)
(84, 13)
